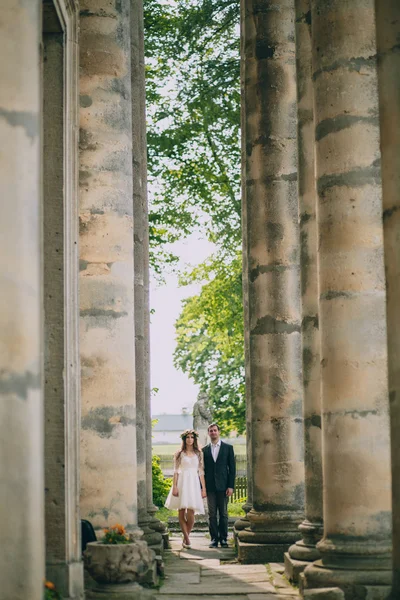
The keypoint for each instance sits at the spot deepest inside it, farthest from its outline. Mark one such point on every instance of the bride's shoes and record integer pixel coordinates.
(187, 546)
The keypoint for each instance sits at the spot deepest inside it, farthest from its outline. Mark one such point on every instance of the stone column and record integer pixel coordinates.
(311, 529)
(388, 33)
(274, 282)
(154, 523)
(243, 522)
(356, 547)
(21, 398)
(152, 537)
(64, 565)
(108, 451)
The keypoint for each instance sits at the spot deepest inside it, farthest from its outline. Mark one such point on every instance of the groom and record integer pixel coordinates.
(219, 467)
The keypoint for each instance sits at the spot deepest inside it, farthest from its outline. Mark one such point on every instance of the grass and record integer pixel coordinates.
(234, 510)
(163, 514)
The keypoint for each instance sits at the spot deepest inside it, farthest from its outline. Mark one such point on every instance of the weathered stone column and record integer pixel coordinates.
(64, 565)
(21, 340)
(243, 522)
(154, 523)
(152, 537)
(388, 33)
(356, 547)
(108, 451)
(273, 280)
(311, 528)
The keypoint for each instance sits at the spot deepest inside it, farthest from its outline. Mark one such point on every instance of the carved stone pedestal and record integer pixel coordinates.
(127, 591)
(119, 568)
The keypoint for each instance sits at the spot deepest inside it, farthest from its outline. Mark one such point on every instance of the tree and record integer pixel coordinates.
(193, 98)
(210, 342)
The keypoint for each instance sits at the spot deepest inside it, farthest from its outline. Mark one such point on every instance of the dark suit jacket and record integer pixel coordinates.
(219, 475)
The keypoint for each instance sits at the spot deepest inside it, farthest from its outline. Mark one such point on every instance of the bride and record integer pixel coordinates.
(188, 486)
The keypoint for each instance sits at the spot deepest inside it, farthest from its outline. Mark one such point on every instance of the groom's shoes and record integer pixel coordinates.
(224, 544)
(214, 544)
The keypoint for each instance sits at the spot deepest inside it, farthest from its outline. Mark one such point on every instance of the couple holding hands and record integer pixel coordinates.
(203, 473)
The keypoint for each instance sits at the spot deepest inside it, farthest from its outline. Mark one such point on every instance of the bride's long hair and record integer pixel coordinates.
(196, 446)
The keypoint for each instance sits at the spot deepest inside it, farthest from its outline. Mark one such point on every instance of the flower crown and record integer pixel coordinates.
(186, 433)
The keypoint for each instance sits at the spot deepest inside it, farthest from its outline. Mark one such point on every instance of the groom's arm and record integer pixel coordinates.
(231, 468)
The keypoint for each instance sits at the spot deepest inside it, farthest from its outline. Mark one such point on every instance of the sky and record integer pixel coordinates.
(176, 390)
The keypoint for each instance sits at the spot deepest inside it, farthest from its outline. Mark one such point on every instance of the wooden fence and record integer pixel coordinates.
(240, 490)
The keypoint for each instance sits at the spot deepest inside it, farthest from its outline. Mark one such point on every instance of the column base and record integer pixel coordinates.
(293, 567)
(155, 523)
(324, 594)
(68, 578)
(304, 552)
(253, 554)
(124, 591)
(272, 533)
(240, 524)
(152, 537)
(158, 526)
(299, 556)
(368, 583)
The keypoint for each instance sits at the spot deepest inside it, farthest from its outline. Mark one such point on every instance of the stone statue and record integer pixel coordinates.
(202, 417)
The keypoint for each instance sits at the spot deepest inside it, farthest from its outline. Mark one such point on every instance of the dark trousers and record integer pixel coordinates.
(218, 503)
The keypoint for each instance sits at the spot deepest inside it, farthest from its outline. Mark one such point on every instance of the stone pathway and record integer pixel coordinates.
(204, 573)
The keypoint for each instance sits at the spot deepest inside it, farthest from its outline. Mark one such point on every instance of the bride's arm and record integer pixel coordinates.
(175, 491)
(203, 486)
(201, 475)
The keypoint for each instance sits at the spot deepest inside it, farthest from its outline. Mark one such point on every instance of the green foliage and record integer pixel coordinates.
(193, 100)
(161, 484)
(193, 108)
(235, 509)
(163, 514)
(210, 343)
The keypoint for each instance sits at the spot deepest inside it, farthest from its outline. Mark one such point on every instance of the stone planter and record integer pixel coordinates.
(119, 568)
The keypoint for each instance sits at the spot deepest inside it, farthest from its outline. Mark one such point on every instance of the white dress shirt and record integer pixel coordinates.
(215, 450)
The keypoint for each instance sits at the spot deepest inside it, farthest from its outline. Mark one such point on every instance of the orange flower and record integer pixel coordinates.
(49, 585)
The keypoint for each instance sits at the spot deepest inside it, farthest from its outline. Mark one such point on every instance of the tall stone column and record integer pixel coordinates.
(21, 341)
(356, 547)
(108, 450)
(154, 523)
(273, 282)
(312, 527)
(64, 565)
(152, 537)
(243, 522)
(388, 32)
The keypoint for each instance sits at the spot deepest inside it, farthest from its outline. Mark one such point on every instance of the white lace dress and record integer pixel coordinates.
(189, 468)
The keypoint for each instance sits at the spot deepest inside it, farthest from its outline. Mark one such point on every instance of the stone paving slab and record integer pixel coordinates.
(250, 578)
(277, 567)
(204, 573)
(202, 597)
(195, 554)
(225, 589)
(279, 581)
(271, 596)
(180, 578)
(234, 568)
(208, 563)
